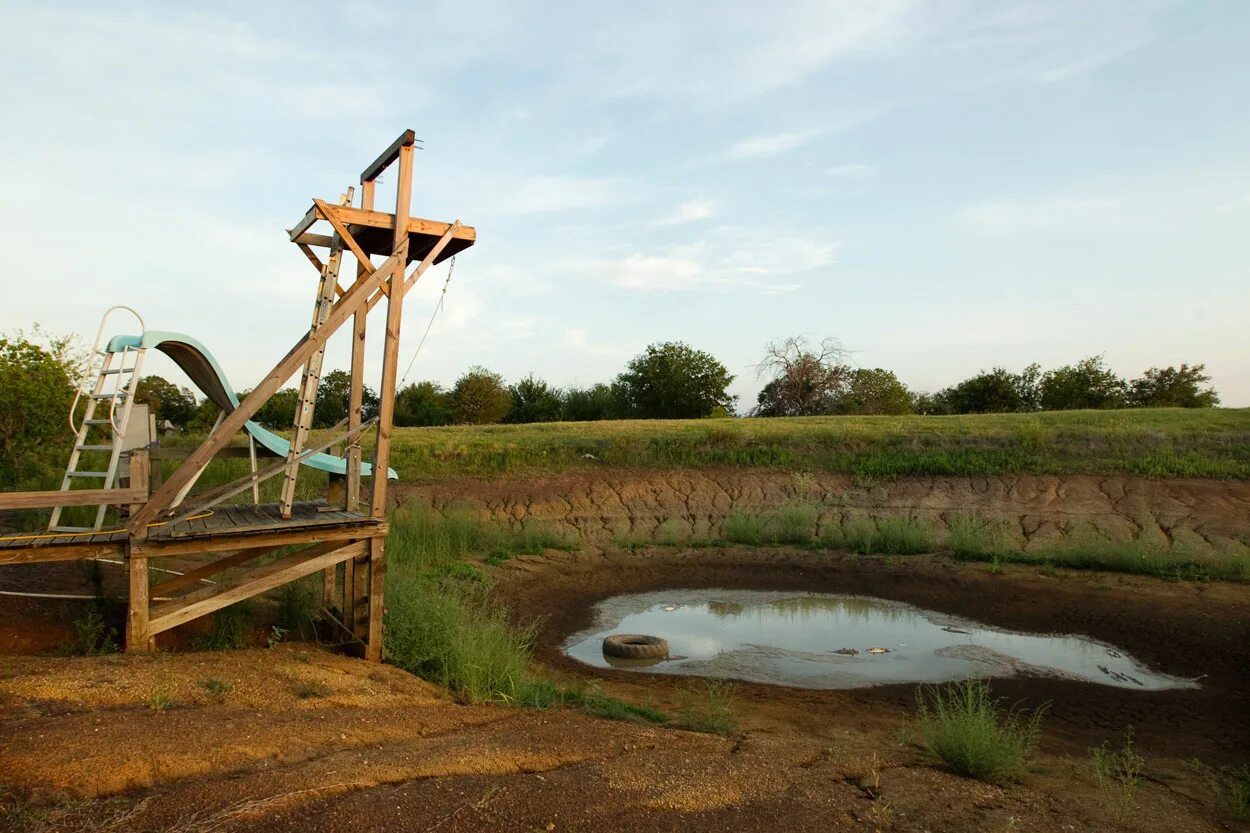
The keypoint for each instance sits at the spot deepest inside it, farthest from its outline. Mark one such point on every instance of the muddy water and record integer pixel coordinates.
(838, 641)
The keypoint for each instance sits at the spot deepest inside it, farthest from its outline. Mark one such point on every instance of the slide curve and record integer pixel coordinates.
(202, 369)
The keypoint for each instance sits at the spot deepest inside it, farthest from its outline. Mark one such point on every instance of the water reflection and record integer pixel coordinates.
(825, 641)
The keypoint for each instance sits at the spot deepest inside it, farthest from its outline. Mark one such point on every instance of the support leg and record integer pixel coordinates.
(377, 584)
(137, 638)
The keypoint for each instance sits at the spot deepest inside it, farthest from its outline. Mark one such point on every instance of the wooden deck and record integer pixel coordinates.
(226, 524)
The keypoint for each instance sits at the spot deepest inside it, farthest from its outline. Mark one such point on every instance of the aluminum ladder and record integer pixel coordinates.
(102, 431)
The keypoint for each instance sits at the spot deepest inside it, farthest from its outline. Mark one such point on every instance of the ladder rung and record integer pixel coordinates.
(86, 474)
(72, 529)
(97, 422)
(94, 447)
(114, 371)
(118, 395)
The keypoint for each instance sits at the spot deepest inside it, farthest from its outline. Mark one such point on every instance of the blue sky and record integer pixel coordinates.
(942, 186)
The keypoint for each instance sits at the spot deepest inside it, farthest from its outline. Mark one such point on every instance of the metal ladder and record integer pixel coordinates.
(116, 383)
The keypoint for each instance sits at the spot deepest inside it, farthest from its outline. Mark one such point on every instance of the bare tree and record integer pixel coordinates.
(805, 380)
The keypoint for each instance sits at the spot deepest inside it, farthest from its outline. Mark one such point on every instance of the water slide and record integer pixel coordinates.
(202, 369)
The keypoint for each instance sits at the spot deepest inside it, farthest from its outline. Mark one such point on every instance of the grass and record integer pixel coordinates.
(963, 726)
(973, 539)
(1161, 442)
(215, 687)
(1235, 793)
(1118, 773)
(544, 694)
(887, 535)
(707, 706)
(795, 524)
(228, 631)
(161, 702)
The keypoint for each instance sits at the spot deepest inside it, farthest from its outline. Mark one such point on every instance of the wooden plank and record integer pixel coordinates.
(341, 231)
(192, 577)
(349, 216)
(310, 254)
(267, 577)
(304, 224)
(221, 436)
(138, 632)
(377, 585)
(421, 267)
(250, 539)
(77, 497)
(404, 142)
(68, 552)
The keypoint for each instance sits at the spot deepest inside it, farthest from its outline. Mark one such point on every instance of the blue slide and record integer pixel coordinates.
(201, 368)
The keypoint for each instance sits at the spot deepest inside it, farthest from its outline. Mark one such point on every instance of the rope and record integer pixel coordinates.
(451, 270)
(92, 532)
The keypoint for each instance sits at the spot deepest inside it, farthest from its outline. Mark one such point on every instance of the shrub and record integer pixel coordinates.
(161, 701)
(90, 635)
(741, 528)
(963, 726)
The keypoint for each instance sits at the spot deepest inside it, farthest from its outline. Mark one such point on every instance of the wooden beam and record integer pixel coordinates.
(304, 224)
(61, 552)
(405, 141)
(310, 254)
(357, 297)
(347, 215)
(138, 633)
(422, 266)
(267, 577)
(163, 547)
(377, 585)
(77, 497)
(341, 231)
(197, 575)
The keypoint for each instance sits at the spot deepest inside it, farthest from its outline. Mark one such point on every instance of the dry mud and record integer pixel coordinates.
(1039, 510)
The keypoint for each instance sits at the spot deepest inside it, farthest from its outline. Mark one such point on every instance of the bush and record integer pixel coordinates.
(962, 726)
(90, 635)
(37, 377)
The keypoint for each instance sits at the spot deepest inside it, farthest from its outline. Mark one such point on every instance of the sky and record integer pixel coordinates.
(942, 186)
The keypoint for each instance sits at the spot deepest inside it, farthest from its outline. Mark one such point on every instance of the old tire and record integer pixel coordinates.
(635, 646)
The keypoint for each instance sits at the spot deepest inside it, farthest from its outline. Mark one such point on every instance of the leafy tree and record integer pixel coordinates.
(1173, 387)
(875, 391)
(674, 381)
(334, 400)
(533, 400)
(480, 398)
(166, 400)
(422, 403)
(279, 412)
(996, 391)
(1087, 384)
(36, 389)
(206, 413)
(592, 403)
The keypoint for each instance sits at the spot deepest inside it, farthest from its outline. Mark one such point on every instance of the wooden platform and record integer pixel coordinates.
(227, 527)
(374, 231)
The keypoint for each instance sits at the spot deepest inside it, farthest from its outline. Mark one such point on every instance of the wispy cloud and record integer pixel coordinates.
(689, 212)
(852, 171)
(1045, 215)
(760, 147)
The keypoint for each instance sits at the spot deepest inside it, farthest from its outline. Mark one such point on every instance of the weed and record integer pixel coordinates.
(963, 726)
(974, 539)
(228, 631)
(462, 571)
(904, 536)
(298, 605)
(742, 528)
(1118, 774)
(544, 694)
(498, 557)
(1235, 793)
(217, 688)
(794, 524)
(309, 689)
(707, 706)
(161, 702)
(90, 635)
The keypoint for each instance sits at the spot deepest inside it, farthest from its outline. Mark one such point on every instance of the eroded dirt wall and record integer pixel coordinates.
(619, 505)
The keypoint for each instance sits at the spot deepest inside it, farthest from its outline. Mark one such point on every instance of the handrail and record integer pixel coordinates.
(95, 349)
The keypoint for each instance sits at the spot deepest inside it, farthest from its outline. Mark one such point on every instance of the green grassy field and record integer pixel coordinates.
(1212, 443)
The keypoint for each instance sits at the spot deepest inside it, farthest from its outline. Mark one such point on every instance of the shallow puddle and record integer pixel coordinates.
(834, 641)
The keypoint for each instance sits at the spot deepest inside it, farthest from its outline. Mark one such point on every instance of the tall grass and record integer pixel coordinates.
(887, 535)
(794, 524)
(964, 727)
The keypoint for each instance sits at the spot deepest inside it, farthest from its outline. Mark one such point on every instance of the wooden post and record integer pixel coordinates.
(138, 598)
(377, 584)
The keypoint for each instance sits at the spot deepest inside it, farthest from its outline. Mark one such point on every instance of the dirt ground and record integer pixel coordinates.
(298, 738)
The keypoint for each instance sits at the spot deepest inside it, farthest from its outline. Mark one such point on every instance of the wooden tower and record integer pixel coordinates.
(342, 535)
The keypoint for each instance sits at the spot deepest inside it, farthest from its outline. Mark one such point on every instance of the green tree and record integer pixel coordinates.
(36, 389)
(279, 412)
(1086, 384)
(674, 381)
(533, 400)
(422, 403)
(166, 400)
(875, 391)
(480, 398)
(334, 400)
(995, 391)
(1173, 387)
(593, 403)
